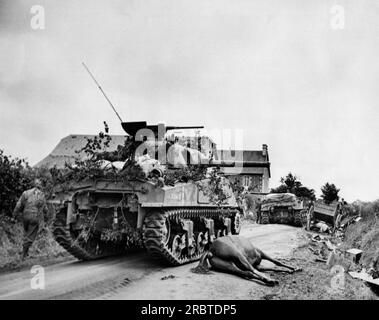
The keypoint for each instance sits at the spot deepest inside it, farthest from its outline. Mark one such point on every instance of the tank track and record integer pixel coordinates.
(63, 236)
(65, 239)
(265, 218)
(156, 231)
(298, 222)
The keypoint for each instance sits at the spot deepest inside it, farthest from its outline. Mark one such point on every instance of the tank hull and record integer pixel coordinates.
(174, 223)
(283, 209)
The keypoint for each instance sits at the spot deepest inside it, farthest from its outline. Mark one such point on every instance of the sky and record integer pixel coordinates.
(290, 74)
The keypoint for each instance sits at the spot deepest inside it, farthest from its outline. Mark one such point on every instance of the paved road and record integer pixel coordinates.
(138, 277)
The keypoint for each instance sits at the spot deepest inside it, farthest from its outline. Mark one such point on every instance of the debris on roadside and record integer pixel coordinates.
(354, 254)
(323, 227)
(269, 296)
(330, 245)
(320, 250)
(330, 253)
(365, 276)
(318, 238)
(339, 233)
(337, 258)
(353, 245)
(350, 220)
(168, 277)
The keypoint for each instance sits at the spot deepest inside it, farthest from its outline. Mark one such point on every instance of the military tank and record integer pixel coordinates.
(174, 222)
(283, 208)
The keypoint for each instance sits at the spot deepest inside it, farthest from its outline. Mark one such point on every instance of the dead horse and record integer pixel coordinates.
(237, 255)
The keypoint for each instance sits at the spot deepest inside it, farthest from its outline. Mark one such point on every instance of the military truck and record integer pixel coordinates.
(282, 208)
(175, 223)
(328, 213)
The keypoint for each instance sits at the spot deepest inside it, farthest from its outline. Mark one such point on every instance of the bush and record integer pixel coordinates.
(16, 176)
(365, 233)
(367, 210)
(11, 238)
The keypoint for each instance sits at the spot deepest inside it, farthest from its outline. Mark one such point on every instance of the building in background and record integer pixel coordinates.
(68, 149)
(254, 174)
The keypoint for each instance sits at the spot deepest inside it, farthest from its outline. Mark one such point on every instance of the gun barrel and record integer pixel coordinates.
(188, 127)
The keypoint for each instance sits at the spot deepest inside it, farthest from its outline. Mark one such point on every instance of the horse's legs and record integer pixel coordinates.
(230, 267)
(243, 261)
(264, 269)
(277, 262)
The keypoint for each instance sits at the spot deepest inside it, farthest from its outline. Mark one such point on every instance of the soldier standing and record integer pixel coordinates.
(31, 209)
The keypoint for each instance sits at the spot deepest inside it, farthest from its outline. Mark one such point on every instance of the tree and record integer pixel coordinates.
(329, 192)
(291, 184)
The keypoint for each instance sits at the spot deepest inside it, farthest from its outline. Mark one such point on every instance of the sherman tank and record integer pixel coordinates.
(283, 208)
(176, 222)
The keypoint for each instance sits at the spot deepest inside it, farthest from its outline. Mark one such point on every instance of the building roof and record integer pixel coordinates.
(250, 158)
(242, 155)
(66, 150)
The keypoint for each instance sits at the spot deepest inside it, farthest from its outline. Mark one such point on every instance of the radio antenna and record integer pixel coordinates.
(102, 91)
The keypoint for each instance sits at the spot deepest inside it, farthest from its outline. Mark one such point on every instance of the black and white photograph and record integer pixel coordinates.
(170, 151)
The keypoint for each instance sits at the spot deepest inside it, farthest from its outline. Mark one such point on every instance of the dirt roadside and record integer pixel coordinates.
(317, 281)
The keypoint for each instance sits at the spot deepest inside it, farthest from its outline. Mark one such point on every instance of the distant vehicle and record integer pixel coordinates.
(331, 214)
(283, 208)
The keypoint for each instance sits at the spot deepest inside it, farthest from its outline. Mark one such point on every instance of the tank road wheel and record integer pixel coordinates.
(191, 250)
(201, 241)
(265, 218)
(166, 232)
(297, 218)
(177, 246)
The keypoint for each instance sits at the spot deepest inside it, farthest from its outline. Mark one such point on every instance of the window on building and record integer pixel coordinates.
(256, 182)
(246, 181)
